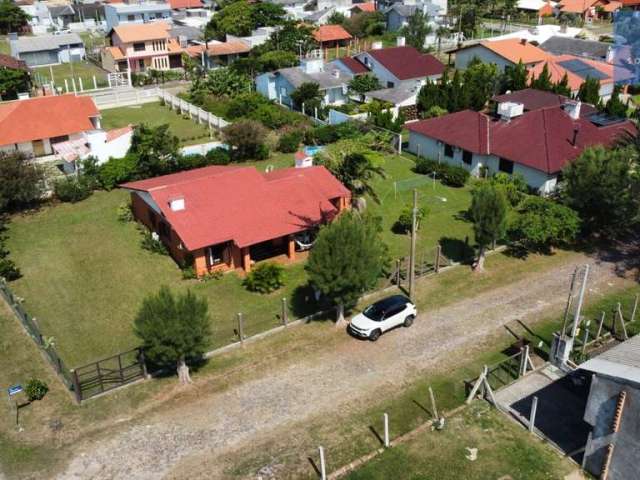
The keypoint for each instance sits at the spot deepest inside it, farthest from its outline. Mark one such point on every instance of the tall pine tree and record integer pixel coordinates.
(590, 91)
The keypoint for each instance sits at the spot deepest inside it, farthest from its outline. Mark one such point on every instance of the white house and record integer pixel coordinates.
(280, 84)
(47, 49)
(536, 144)
(142, 12)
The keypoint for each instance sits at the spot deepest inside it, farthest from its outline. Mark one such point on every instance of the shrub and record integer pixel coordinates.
(246, 138)
(8, 269)
(454, 176)
(117, 170)
(218, 156)
(189, 273)
(151, 243)
(290, 141)
(426, 166)
(405, 220)
(265, 278)
(36, 389)
(72, 189)
(125, 212)
(244, 104)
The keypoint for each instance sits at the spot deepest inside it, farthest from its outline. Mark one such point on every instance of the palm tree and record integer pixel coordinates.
(357, 172)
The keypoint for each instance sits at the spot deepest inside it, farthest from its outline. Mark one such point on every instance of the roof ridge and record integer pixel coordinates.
(546, 142)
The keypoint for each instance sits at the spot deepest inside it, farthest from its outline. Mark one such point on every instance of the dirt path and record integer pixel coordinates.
(220, 421)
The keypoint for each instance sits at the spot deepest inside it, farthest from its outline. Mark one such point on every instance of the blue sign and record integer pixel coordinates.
(14, 389)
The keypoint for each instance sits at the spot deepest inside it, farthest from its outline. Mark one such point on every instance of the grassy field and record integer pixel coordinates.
(85, 278)
(154, 114)
(4, 46)
(84, 70)
(505, 450)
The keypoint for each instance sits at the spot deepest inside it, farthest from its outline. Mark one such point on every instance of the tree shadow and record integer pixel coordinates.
(457, 249)
(463, 216)
(376, 434)
(303, 303)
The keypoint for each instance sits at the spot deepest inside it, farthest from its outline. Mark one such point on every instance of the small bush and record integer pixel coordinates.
(265, 278)
(125, 212)
(455, 176)
(8, 269)
(290, 141)
(117, 170)
(189, 273)
(213, 275)
(36, 389)
(152, 244)
(72, 189)
(405, 220)
(218, 156)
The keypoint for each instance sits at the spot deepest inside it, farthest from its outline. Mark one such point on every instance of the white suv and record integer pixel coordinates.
(383, 315)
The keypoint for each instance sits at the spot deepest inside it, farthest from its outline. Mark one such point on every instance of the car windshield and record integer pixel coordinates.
(374, 312)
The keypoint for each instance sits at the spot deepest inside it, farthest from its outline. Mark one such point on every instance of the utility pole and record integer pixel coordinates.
(412, 254)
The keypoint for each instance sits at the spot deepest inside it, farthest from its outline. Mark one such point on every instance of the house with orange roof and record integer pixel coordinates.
(504, 53)
(142, 47)
(329, 36)
(367, 7)
(214, 54)
(63, 127)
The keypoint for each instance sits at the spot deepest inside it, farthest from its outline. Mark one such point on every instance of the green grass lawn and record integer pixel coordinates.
(505, 450)
(85, 274)
(154, 114)
(85, 70)
(4, 46)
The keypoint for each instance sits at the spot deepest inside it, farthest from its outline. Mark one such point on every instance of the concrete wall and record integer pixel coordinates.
(433, 149)
(599, 412)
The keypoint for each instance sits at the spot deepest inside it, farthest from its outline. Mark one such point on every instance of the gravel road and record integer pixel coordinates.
(220, 421)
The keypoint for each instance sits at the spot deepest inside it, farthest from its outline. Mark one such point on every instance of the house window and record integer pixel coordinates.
(390, 84)
(138, 47)
(448, 150)
(141, 64)
(131, 18)
(62, 138)
(152, 217)
(165, 231)
(467, 157)
(505, 166)
(215, 254)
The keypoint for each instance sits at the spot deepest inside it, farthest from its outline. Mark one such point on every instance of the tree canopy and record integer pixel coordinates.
(12, 82)
(155, 150)
(307, 94)
(589, 91)
(347, 259)
(362, 84)
(12, 17)
(417, 29)
(21, 181)
(240, 17)
(489, 215)
(174, 329)
(515, 77)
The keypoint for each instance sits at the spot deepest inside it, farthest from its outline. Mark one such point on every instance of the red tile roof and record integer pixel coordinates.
(407, 62)
(178, 4)
(557, 71)
(513, 49)
(331, 33)
(45, 117)
(365, 7)
(539, 139)
(533, 99)
(242, 205)
(354, 65)
(7, 61)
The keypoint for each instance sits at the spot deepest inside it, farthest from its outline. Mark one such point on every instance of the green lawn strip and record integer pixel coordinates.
(5, 49)
(75, 70)
(154, 114)
(505, 450)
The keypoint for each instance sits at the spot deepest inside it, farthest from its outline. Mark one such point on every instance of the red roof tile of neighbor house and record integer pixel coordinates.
(576, 6)
(331, 33)
(45, 117)
(365, 7)
(354, 65)
(220, 48)
(178, 4)
(407, 62)
(7, 61)
(539, 139)
(514, 50)
(240, 204)
(533, 99)
(557, 70)
(118, 132)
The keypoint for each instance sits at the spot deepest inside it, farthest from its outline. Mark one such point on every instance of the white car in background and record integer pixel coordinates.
(383, 315)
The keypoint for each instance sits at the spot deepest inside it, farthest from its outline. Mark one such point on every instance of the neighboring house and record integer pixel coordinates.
(578, 69)
(398, 16)
(222, 218)
(330, 36)
(557, 45)
(368, 7)
(61, 15)
(401, 66)
(123, 13)
(141, 47)
(279, 85)
(257, 37)
(542, 8)
(539, 33)
(537, 144)
(47, 49)
(183, 34)
(320, 17)
(185, 4)
(613, 411)
(532, 99)
(350, 66)
(192, 17)
(589, 9)
(504, 53)
(216, 54)
(403, 99)
(66, 126)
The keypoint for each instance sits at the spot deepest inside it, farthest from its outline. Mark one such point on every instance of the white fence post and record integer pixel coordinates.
(323, 468)
(532, 417)
(95, 83)
(81, 85)
(386, 430)
(66, 86)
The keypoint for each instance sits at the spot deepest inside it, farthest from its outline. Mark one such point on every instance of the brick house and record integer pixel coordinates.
(221, 218)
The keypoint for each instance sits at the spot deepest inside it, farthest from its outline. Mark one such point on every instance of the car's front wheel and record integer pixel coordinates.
(409, 321)
(375, 335)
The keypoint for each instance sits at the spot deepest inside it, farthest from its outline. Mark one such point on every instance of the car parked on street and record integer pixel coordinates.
(383, 315)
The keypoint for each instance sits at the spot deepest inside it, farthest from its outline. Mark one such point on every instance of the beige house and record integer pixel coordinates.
(142, 47)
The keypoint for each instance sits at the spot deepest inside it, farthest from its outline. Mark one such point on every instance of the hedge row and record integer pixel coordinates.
(450, 175)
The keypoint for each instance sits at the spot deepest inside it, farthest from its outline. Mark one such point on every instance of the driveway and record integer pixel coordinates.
(321, 382)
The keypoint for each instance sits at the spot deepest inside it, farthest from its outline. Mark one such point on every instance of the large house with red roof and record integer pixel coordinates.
(64, 127)
(534, 134)
(228, 217)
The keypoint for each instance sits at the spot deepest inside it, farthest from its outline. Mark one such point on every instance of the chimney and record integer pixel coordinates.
(523, 41)
(576, 130)
(573, 109)
(376, 45)
(176, 204)
(400, 41)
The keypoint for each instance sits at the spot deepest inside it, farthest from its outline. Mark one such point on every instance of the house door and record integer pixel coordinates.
(38, 148)
(141, 64)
